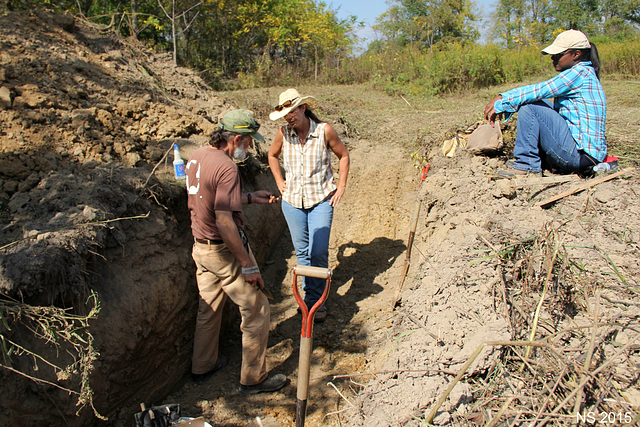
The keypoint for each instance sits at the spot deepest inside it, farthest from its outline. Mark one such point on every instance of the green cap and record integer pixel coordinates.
(241, 121)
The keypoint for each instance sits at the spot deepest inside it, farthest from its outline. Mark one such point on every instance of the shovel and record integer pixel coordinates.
(306, 335)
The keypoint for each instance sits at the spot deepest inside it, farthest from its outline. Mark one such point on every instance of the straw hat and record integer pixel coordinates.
(290, 99)
(570, 39)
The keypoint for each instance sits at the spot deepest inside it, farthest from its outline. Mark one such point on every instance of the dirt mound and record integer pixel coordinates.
(485, 265)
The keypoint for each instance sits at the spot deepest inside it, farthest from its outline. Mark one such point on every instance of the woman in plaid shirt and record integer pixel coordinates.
(568, 136)
(309, 194)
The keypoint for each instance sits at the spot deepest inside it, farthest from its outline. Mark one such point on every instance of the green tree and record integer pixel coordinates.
(522, 22)
(581, 15)
(621, 18)
(222, 38)
(427, 23)
(536, 22)
(231, 37)
(174, 12)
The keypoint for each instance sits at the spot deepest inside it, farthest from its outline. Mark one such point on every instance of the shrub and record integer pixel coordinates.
(458, 67)
(621, 58)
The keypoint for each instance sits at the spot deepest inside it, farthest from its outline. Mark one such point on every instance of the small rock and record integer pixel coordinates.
(504, 188)
(29, 183)
(130, 159)
(5, 98)
(30, 97)
(89, 213)
(622, 338)
(443, 418)
(632, 396)
(604, 195)
(10, 186)
(19, 201)
(35, 116)
(82, 115)
(114, 55)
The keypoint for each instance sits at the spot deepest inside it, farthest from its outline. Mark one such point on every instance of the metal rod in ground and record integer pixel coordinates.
(303, 379)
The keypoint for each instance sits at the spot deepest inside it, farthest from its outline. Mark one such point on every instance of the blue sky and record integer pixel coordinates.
(369, 10)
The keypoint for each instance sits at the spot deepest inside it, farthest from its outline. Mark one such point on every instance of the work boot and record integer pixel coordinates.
(220, 363)
(516, 173)
(513, 172)
(321, 316)
(273, 382)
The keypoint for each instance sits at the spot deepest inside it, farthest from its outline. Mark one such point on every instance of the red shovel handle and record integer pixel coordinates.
(308, 315)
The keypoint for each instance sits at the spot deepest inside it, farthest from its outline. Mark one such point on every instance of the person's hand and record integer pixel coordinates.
(282, 187)
(254, 279)
(490, 111)
(263, 197)
(335, 199)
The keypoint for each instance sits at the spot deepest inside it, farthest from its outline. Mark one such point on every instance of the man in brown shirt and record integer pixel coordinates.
(225, 265)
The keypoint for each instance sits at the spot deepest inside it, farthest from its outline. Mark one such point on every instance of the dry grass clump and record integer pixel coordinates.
(576, 349)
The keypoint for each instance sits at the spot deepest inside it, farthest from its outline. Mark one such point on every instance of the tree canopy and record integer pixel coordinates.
(428, 23)
(528, 22)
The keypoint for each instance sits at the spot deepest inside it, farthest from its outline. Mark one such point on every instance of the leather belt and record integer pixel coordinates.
(209, 242)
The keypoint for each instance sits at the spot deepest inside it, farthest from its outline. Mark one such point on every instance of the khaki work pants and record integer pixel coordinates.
(218, 276)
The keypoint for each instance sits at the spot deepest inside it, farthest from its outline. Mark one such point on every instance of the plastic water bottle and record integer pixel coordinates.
(605, 167)
(178, 163)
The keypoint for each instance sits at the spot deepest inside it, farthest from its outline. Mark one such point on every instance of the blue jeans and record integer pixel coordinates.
(310, 229)
(544, 136)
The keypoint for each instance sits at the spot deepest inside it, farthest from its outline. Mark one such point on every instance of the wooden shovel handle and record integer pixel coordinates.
(305, 270)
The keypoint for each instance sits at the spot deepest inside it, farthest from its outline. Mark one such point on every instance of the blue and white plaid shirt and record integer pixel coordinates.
(578, 98)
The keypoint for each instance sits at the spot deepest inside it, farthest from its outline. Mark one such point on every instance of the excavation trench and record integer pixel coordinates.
(367, 244)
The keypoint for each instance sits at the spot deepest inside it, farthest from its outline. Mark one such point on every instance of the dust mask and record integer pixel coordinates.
(240, 153)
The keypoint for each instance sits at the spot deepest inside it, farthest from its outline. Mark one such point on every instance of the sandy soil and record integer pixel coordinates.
(477, 270)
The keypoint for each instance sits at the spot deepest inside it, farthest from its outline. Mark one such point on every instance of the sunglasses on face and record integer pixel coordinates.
(285, 104)
(560, 55)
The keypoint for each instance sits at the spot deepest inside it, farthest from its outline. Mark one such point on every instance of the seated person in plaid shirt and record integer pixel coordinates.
(568, 136)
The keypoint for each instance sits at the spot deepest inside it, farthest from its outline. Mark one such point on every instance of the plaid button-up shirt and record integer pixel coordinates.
(578, 98)
(307, 166)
